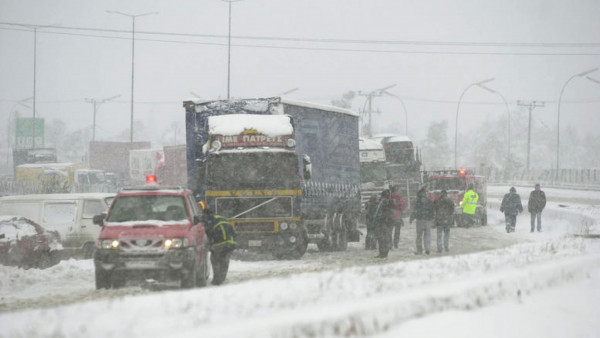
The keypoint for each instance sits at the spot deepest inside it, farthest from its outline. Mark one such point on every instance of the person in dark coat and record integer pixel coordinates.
(535, 205)
(220, 235)
(511, 207)
(399, 206)
(424, 214)
(371, 239)
(444, 218)
(383, 221)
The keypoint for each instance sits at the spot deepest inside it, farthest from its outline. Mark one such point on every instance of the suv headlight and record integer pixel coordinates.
(110, 244)
(175, 243)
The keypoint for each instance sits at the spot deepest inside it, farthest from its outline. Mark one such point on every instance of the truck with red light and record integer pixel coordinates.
(284, 173)
(456, 183)
(151, 233)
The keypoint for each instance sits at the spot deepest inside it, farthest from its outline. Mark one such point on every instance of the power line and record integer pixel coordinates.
(383, 51)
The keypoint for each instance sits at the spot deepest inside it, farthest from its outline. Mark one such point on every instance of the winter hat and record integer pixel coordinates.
(512, 189)
(444, 193)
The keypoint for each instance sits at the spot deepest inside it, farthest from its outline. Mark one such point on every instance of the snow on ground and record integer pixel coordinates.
(545, 286)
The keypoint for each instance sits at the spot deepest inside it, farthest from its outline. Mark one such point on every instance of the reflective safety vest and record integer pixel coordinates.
(469, 202)
(222, 232)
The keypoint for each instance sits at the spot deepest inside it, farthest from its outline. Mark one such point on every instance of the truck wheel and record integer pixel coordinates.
(102, 280)
(300, 248)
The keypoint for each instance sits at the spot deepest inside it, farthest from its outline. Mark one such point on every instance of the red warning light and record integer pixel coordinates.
(462, 172)
(151, 179)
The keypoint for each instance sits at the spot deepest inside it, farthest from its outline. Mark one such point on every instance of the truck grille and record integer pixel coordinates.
(254, 207)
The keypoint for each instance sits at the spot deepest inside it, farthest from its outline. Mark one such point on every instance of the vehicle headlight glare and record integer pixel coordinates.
(283, 226)
(109, 244)
(174, 243)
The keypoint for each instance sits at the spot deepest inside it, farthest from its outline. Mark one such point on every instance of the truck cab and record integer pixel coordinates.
(456, 182)
(151, 232)
(373, 173)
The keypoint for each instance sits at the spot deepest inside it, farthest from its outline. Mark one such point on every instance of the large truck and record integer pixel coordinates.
(404, 165)
(285, 173)
(144, 162)
(113, 157)
(175, 168)
(373, 174)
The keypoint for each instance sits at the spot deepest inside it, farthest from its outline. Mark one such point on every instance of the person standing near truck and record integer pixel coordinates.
(399, 206)
(221, 239)
(371, 239)
(469, 206)
(424, 214)
(511, 207)
(535, 205)
(444, 218)
(383, 218)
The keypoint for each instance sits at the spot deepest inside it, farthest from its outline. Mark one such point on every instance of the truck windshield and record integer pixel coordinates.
(253, 170)
(451, 183)
(148, 207)
(373, 172)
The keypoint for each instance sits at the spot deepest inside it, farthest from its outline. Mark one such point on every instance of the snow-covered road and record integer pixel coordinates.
(491, 284)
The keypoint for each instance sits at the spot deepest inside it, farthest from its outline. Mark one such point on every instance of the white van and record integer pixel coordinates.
(69, 214)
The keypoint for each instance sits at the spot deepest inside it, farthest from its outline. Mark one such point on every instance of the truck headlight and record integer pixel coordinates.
(175, 243)
(293, 226)
(283, 226)
(110, 244)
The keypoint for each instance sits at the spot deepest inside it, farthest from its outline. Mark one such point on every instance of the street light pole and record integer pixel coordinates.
(457, 110)
(132, 16)
(403, 106)
(376, 92)
(558, 117)
(229, 50)
(96, 104)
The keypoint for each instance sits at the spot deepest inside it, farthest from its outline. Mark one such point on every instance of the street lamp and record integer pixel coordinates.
(558, 117)
(376, 92)
(132, 58)
(229, 48)
(457, 109)
(403, 106)
(96, 104)
(507, 111)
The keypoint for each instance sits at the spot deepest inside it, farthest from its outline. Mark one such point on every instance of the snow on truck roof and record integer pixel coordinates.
(262, 104)
(368, 144)
(235, 124)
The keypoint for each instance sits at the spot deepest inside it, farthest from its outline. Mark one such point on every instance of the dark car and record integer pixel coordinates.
(27, 244)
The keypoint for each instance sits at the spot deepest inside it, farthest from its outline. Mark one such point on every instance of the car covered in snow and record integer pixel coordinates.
(26, 244)
(151, 233)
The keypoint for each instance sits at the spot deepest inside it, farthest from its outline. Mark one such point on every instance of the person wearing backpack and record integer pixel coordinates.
(511, 207)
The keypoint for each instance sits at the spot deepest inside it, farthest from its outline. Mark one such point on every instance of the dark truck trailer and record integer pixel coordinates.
(318, 202)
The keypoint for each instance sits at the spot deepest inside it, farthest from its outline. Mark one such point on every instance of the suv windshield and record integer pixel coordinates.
(148, 207)
(253, 170)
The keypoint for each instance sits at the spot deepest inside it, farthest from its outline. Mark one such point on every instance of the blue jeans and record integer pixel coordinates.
(423, 235)
(538, 216)
(445, 230)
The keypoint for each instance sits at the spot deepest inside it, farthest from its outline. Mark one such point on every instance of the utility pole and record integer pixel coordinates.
(96, 104)
(530, 105)
(370, 95)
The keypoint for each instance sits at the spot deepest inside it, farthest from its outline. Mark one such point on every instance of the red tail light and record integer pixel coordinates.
(151, 179)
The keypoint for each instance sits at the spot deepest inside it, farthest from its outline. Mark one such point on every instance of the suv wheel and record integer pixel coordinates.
(102, 280)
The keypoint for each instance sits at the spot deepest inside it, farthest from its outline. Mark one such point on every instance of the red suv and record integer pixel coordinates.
(151, 233)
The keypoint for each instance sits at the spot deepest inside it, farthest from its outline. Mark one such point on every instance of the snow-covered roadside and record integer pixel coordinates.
(490, 294)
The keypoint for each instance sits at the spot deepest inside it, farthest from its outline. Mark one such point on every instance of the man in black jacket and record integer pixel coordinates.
(444, 218)
(511, 207)
(535, 205)
(383, 223)
(424, 214)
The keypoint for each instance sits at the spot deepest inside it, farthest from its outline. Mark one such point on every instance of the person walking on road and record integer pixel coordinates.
(220, 235)
(399, 206)
(424, 214)
(383, 218)
(444, 218)
(469, 206)
(511, 207)
(535, 205)
(371, 239)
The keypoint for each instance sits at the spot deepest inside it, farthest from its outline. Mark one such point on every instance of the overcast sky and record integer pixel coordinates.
(431, 50)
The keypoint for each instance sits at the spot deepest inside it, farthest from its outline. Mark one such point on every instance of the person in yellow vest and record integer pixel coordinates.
(221, 235)
(469, 206)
